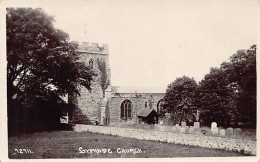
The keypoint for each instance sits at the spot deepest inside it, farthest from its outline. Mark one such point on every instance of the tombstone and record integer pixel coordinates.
(182, 130)
(237, 132)
(178, 128)
(191, 129)
(230, 132)
(222, 132)
(214, 130)
(213, 125)
(187, 129)
(183, 124)
(196, 124)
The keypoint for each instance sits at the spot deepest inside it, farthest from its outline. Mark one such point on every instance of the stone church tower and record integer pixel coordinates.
(91, 105)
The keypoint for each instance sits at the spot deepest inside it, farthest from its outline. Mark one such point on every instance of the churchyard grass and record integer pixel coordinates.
(66, 144)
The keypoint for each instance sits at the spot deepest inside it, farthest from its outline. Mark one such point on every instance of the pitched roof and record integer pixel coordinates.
(118, 89)
(145, 112)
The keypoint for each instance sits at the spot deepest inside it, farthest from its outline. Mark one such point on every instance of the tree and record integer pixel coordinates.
(41, 63)
(241, 73)
(104, 81)
(227, 94)
(215, 97)
(180, 99)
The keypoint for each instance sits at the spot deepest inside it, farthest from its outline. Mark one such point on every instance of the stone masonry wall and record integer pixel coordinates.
(89, 102)
(239, 145)
(138, 102)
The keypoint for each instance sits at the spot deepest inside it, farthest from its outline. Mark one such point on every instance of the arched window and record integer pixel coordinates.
(159, 106)
(145, 104)
(126, 109)
(91, 63)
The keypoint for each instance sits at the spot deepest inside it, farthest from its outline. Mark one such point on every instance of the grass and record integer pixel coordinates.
(65, 144)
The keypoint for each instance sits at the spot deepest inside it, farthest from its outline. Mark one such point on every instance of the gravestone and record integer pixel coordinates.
(237, 132)
(191, 129)
(222, 132)
(196, 124)
(214, 130)
(183, 124)
(182, 130)
(187, 129)
(230, 132)
(178, 128)
(213, 125)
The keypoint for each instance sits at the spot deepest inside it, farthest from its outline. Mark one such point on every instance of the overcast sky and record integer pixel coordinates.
(152, 42)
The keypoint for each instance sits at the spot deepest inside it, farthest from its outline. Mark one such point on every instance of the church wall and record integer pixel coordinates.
(138, 102)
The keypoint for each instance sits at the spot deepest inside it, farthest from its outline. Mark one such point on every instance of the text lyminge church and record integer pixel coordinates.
(111, 105)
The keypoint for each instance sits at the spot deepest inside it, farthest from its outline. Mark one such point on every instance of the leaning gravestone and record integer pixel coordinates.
(237, 132)
(197, 124)
(183, 124)
(230, 132)
(222, 132)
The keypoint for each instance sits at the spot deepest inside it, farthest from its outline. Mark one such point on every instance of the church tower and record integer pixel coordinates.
(91, 105)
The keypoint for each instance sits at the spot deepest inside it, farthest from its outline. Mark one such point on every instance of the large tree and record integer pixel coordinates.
(215, 97)
(180, 99)
(41, 63)
(240, 70)
(228, 94)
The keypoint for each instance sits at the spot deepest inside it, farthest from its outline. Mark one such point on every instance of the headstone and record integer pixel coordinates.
(237, 132)
(213, 125)
(214, 130)
(182, 130)
(222, 132)
(178, 128)
(183, 124)
(230, 132)
(197, 124)
(187, 129)
(191, 129)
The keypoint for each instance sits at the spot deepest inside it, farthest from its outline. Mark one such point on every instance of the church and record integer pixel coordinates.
(105, 104)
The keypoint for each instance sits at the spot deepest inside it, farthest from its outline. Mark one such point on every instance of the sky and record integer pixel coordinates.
(152, 42)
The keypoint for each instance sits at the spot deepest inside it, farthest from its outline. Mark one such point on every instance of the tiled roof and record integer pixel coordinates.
(145, 112)
(117, 89)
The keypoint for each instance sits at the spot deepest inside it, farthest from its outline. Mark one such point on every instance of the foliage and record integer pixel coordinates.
(241, 73)
(41, 63)
(228, 94)
(215, 97)
(104, 80)
(180, 99)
